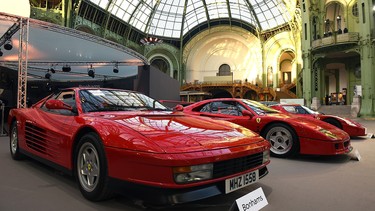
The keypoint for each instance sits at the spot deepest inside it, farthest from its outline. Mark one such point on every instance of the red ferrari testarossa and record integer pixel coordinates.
(116, 140)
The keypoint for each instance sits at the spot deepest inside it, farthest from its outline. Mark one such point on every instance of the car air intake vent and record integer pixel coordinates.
(35, 137)
(229, 167)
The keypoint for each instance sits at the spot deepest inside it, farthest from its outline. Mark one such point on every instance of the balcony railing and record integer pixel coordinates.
(350, 37)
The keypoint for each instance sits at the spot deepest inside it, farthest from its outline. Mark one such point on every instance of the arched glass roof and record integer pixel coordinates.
(170, 18)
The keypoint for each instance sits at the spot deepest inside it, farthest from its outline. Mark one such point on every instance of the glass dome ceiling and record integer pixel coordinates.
(174, 18)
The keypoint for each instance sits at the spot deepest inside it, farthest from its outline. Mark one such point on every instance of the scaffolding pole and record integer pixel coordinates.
(22, 63)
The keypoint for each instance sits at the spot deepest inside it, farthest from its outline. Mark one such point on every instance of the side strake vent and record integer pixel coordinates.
(35, 137)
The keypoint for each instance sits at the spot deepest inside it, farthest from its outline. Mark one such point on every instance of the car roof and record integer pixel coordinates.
(286, 104)
(92, 88)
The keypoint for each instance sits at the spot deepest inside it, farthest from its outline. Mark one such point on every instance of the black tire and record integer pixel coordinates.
(13, 142)
(284, 141)
(90, 166)
(333, 122)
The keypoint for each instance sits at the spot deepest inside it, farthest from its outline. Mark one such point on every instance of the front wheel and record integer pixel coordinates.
(91, 168)
(283, 140)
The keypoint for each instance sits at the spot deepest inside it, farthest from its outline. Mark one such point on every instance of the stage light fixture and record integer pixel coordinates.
(66, 68)
(91, 72)
(52, 70)
(115, 68)
(151, 41)
(47, 75)
(1, 53)
(8, 45)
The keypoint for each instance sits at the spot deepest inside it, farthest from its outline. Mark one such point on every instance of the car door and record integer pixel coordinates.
(53, 139)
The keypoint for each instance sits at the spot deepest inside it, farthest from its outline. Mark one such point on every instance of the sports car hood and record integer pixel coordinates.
(183, 133)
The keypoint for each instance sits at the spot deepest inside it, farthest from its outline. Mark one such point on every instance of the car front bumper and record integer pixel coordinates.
(170, 196)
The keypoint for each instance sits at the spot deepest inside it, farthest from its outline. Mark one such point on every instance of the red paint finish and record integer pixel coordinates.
(352, 127)
(142, 140)
(314, 136)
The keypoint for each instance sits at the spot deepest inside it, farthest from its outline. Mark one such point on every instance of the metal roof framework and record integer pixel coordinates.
(35, 46)
(174, 19)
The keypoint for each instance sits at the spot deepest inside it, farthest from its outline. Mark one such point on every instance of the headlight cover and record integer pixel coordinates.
(246, 131)
(266, 156)
(189, 174)
(328, 133)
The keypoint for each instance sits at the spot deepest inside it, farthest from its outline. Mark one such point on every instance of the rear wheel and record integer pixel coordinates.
(284, 142)
(13, 142)
(91, 168)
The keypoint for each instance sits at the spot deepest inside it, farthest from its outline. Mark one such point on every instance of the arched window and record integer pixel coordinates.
(224, 70)
(315, 28)
(355, 9)
(160, 64)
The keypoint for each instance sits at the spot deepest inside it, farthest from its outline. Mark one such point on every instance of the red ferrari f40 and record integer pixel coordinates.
(288, 134)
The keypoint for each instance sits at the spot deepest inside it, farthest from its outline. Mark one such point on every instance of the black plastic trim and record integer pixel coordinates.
(168, 196)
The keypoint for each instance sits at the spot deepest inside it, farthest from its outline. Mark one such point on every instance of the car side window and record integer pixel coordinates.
(216, 107)
(212, 107)
(301, 110)
(68, 98)
(223, 107)
(206, 108)
(232, 108)
(291, 109)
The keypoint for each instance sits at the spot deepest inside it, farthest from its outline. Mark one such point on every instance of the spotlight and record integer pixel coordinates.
(1, 53)
(52, 70)
(115, 68)
(48, 75)
(66, 68)
(151, 41)
(91, 72)
(49, 86)
(8, 45)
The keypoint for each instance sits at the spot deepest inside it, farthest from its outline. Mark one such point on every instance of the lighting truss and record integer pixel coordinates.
(9, 33)
(22, 63)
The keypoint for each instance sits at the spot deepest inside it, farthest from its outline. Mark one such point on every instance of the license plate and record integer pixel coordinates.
(241, 181)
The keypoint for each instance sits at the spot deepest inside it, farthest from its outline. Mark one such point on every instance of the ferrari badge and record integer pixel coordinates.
(258, 120)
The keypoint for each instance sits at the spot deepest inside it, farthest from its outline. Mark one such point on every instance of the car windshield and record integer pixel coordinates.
(117, 100)
(259, 108)
(309, 111)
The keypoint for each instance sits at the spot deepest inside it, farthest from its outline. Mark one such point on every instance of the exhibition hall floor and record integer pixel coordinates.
(302, 183)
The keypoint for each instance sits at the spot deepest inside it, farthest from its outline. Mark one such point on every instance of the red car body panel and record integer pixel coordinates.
(353, 128)
(156, 171)
(141, 147)
(311, 140)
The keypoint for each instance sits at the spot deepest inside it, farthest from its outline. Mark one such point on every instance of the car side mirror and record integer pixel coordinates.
(247, 113)
(57, 104)
(178, 108)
